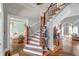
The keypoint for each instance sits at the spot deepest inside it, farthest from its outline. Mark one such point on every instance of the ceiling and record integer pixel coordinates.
(71, 20)
(28, 10)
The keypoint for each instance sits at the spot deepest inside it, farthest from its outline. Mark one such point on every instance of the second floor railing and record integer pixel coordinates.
(53, 10)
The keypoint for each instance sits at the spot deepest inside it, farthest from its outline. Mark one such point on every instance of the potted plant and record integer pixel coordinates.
(21, 39)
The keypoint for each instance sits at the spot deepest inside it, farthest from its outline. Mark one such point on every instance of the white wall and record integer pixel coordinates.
(30, 11)
(34, 26)
(70, 10)
(1, 30)
(74, 8)
(55, 21)
(6, 17)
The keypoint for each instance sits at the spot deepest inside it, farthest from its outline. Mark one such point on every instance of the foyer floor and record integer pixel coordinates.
(69, 48)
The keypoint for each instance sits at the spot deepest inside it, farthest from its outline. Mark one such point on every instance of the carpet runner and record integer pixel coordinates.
(33, 48)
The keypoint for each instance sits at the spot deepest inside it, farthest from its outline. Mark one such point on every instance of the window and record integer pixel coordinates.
(62, 31)
(16, 27)
(70, 30)
(75, 30)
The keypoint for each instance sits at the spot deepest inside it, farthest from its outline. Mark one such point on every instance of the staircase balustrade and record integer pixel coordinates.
(53, 10)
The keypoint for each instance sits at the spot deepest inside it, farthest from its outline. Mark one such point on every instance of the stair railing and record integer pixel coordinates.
(53, 10)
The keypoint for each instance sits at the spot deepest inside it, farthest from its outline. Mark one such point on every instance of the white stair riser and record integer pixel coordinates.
(33, 52)
(31, 46)
(37, 33)
(37, 43)
(37, 36)
(36, 39)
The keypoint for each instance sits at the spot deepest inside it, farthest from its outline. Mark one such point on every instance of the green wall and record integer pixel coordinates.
(17, 27)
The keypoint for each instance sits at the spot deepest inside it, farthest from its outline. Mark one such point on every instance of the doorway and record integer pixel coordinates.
(16, 31)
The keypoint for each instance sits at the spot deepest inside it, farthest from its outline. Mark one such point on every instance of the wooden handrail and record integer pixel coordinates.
(52, 4)
(44, 19)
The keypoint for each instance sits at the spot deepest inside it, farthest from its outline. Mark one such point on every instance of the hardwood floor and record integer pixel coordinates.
(76, 47)
(69, 48)
(59, 52)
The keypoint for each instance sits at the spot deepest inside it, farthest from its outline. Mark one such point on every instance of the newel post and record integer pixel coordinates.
(41, 31)
(26, 33)
(44, 19)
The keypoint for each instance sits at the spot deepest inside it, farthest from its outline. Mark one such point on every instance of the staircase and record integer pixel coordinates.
(33, 47)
